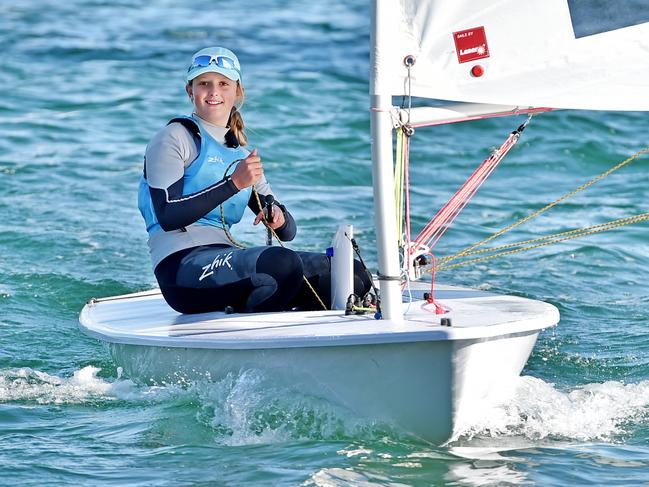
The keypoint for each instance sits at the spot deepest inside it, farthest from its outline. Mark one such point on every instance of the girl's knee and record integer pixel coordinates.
(281, 263)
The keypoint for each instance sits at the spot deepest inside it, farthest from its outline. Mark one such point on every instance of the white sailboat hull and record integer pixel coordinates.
(420, 377)
(429, 389)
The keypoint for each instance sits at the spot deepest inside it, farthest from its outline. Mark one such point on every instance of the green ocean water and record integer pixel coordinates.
(86, 83)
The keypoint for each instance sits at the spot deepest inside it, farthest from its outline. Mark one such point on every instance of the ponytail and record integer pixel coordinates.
(235, 122)
(236, 126)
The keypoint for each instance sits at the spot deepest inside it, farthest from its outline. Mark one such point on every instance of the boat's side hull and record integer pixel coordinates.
(429, 388)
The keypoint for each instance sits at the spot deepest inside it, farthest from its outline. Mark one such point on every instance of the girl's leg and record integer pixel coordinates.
(209, 278)
(317, 269)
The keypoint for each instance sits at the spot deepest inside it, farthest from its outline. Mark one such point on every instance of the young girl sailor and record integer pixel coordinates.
(197, 182)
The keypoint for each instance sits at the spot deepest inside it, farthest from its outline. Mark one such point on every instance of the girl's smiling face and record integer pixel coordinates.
(213, 96)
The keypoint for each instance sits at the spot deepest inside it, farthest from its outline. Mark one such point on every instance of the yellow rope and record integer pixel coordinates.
(263, 217)
(225, 226)
(398, 183)
(547, 240)
(468, 250)
(576, 232)
(227, 232)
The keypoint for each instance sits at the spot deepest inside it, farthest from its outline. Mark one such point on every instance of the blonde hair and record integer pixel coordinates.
(236, 120)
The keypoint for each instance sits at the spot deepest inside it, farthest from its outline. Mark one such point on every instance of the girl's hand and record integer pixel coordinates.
(278, 218)
(248, 171)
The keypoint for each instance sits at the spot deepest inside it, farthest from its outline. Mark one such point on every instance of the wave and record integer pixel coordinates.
(240, 409)
(538, 410)
(33, 386)
(247, 409)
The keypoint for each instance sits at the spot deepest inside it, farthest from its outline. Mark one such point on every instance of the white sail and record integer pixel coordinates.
(586, 54)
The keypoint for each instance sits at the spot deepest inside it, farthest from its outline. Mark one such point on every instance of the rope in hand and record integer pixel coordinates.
(266, 224)
(271, 230)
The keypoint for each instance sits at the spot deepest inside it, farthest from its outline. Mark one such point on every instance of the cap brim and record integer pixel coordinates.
(232, 74)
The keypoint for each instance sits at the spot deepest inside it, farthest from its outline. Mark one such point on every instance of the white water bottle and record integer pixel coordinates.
(342, 267)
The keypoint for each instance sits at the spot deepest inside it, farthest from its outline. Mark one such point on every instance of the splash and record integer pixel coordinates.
(240, 409)
(538, 410)
(84, 387)
(25, 384)
(249, 408)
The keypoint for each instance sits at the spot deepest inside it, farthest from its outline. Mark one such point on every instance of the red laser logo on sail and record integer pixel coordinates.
(471, 44)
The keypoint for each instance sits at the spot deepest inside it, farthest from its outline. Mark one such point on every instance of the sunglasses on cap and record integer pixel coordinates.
(221, 61)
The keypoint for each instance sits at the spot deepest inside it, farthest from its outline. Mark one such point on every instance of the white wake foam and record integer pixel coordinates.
(247, 408)
(243, 408)
(26, 384)
(29, 385)
(537, 409)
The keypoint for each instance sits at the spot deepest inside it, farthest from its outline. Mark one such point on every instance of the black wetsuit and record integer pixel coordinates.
(209, 278)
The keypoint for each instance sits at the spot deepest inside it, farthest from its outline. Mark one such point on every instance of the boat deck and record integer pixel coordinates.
(145, 319)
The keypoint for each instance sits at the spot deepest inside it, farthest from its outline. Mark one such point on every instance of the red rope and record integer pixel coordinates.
(439, 309)
(406, 165)
(433, 231)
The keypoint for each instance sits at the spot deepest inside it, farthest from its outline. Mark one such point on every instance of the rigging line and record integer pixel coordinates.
(406, 172)
(398, 120)
(409, 62)
(409, 65)
(404, 220)
(449, 212)
(404, 132)
(592, 230)
(433, 231)
(472, 185)
(456, 205)
(554, 203)
(398, 185)
(578, 232)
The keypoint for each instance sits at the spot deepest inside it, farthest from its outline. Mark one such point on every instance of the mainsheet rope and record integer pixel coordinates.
(266, 224)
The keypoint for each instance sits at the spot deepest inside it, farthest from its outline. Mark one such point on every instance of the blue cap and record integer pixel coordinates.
(214, 60)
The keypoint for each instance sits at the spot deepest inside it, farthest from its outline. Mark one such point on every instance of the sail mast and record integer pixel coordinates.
(382, 164)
